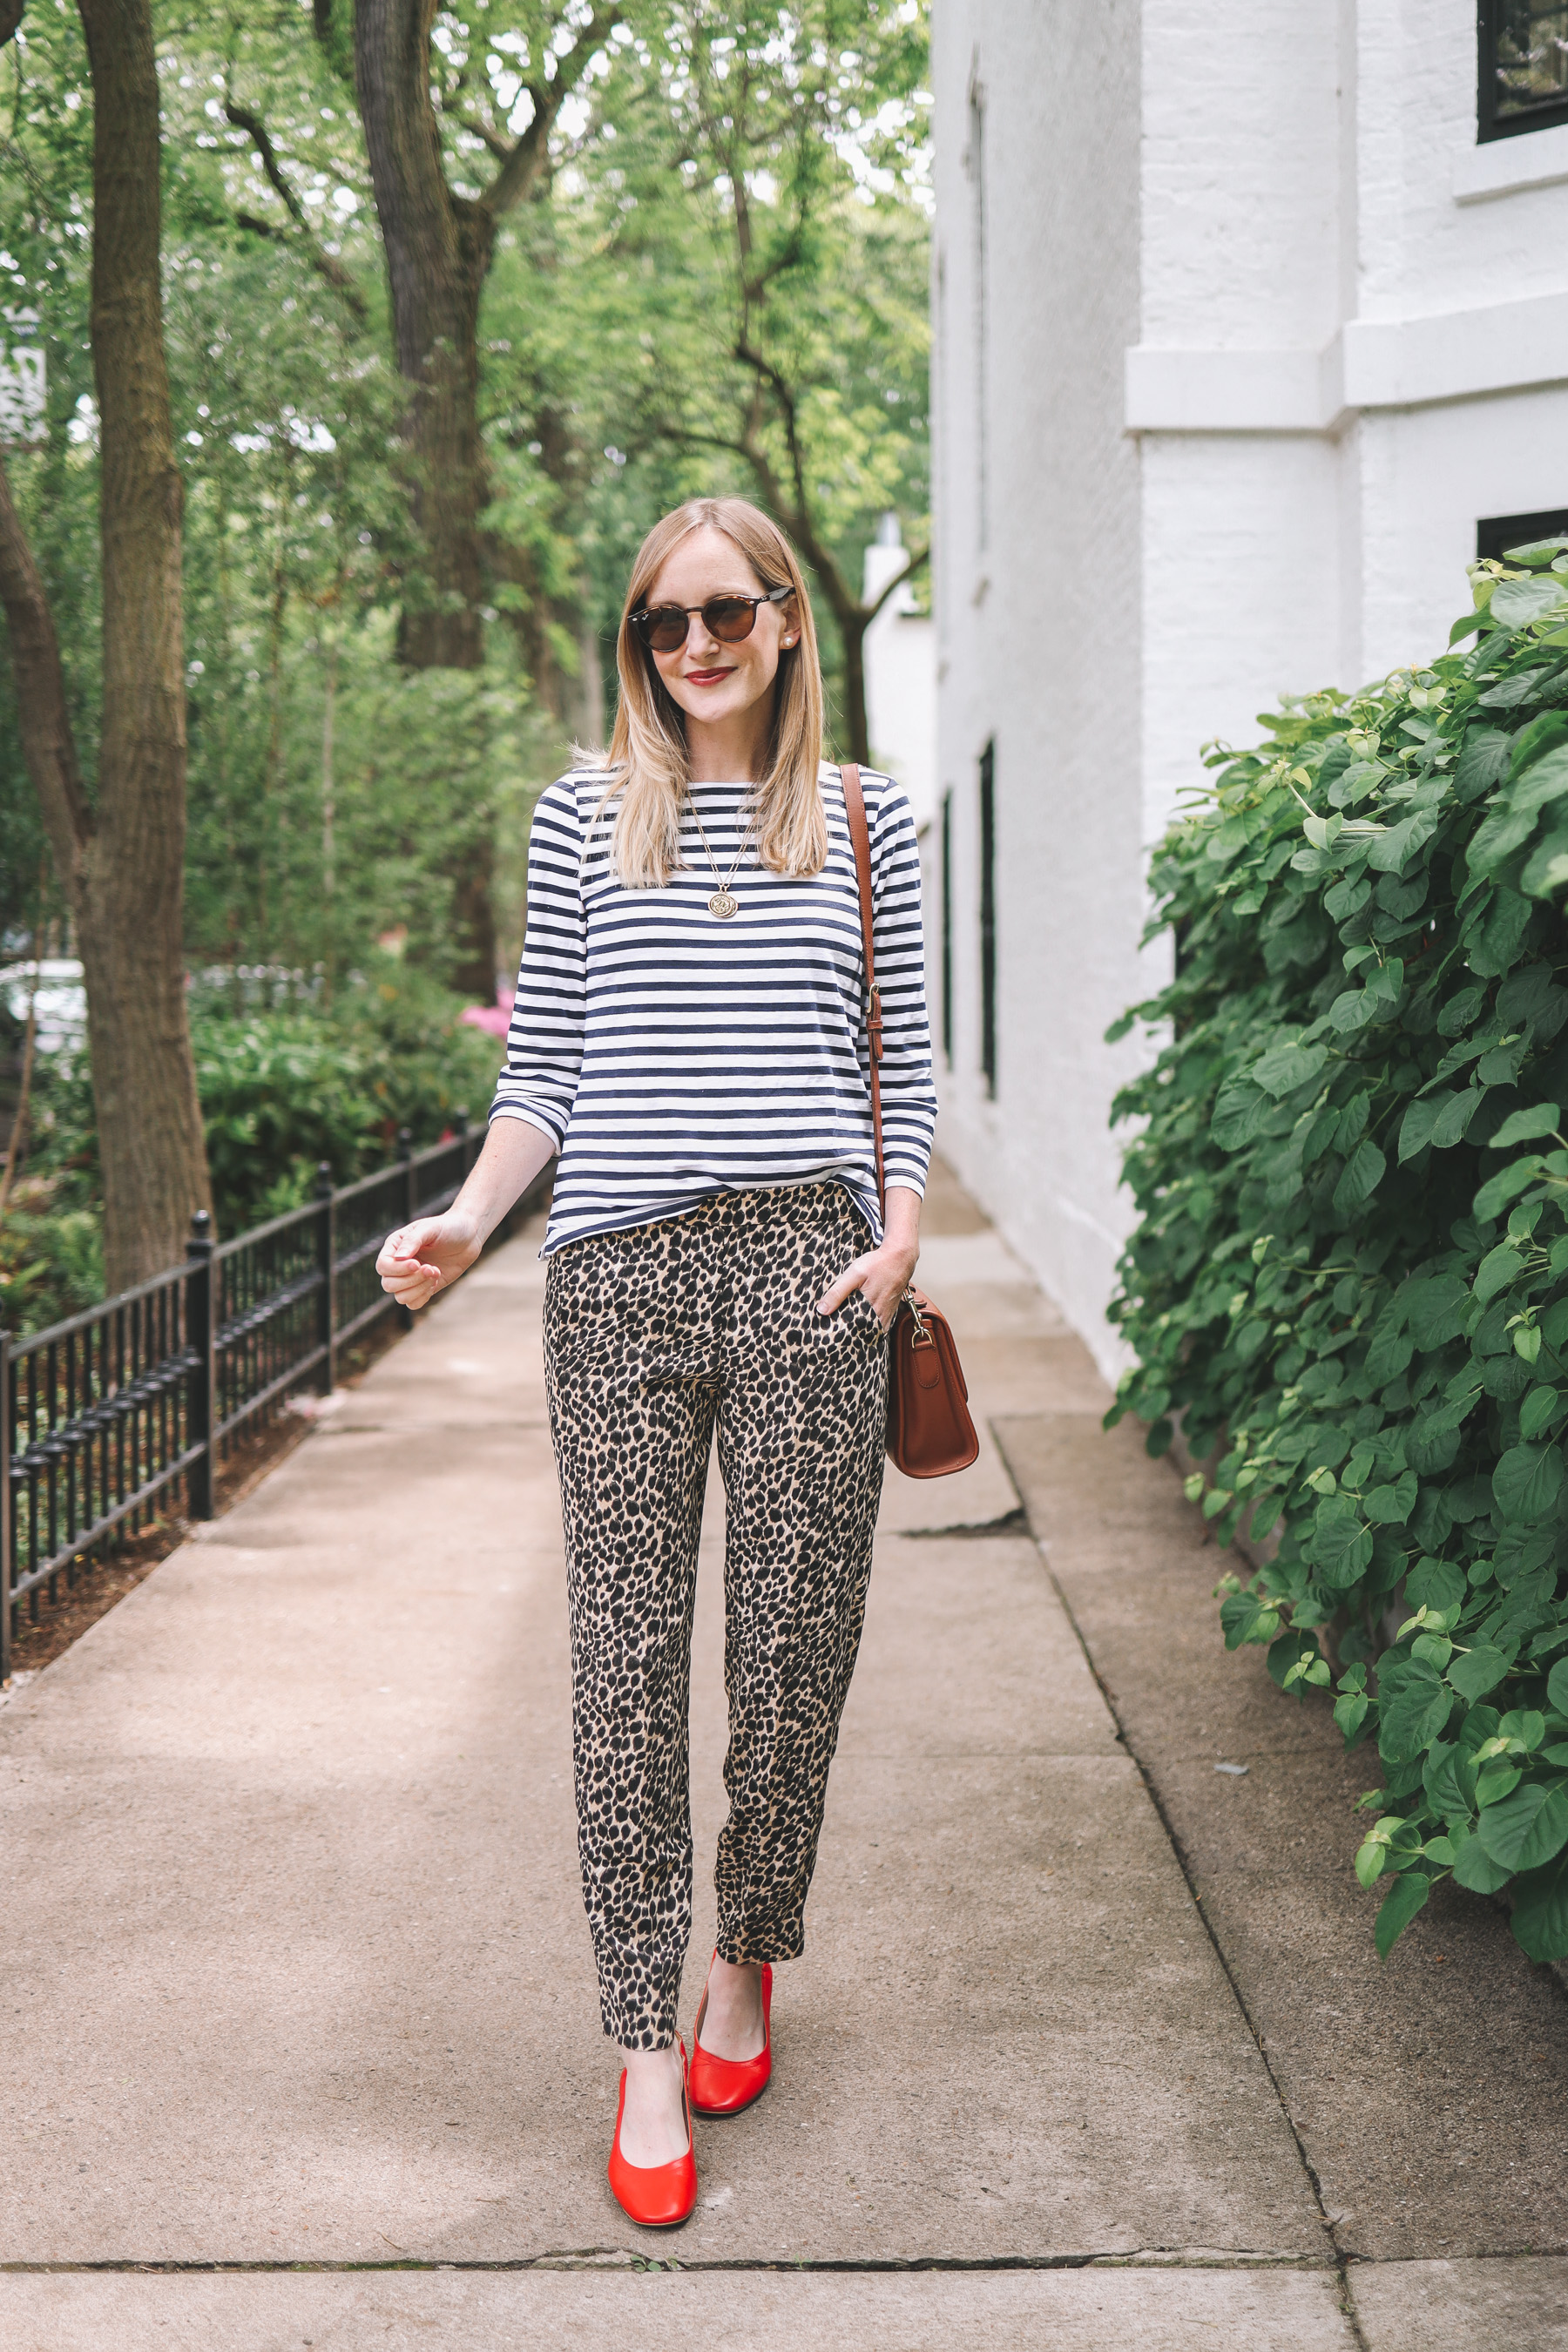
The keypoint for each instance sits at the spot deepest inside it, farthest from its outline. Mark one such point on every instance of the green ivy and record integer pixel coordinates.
(1350, 1275)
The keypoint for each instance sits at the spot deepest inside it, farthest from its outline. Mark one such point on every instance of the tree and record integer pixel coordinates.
(439, 243)
(120, 855)
(417, 102)
(762, 178)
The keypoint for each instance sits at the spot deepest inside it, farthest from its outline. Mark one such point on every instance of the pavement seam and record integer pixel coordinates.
(621, 2258)
(1341, 2258)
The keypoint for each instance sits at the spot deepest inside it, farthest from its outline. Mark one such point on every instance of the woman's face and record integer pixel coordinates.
(710, 681)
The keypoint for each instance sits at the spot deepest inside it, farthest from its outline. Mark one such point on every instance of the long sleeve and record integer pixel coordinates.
(538, 1082)
(907, 1088)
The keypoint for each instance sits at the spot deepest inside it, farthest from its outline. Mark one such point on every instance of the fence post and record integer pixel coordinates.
(327, 1264)
(201, 1337)
(6, 1507)
(404, 1315)
(465, 1158)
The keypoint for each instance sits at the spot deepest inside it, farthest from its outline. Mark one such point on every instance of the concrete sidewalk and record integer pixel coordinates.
(298, 1974)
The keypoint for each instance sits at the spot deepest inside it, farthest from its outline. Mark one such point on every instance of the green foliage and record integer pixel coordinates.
(1350, 1277)
(286, 1082)
(283, 1090)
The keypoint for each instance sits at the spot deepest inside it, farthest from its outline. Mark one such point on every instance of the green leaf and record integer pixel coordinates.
(1239, 1111)
(1478, 1671)
(1526, 1830)
(1394, 849)
(1546, 868)
(1284, 1654)
(1350, 1713)
(1494, 944)
(1401, 1904)
(1244, 1618)
(1497, 1269)
(1482, 763)
(1341, 1545)
(1526, 1126)
(1557, 1686)
(1538, 552)
(1540, 1912)
(1505, 1186)
(1527, 1482)
(1413, 1708)
(1517, 603)
(1473, 1865)
(1288, 1067)
(1448, 1778)
(1390, 1506)
(1436, 1310)
(1362, 1174)
(1454, 1115)
(1540, 1408)
(1435, 1584)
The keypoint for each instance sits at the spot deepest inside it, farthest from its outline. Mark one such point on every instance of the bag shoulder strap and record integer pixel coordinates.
(860, 839)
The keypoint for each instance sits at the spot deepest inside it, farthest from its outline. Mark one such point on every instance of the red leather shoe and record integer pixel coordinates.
(722, 2087)
(654, 2196)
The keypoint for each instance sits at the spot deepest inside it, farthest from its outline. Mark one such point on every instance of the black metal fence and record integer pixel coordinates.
(103, 1414)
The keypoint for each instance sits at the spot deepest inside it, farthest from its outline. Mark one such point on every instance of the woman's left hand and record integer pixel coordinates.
(884, 1276)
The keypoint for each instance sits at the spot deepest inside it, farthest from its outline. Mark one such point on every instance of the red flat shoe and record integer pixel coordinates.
(654, 2196)
(722, 2087)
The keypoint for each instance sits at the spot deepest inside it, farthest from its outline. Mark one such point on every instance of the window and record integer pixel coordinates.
(947, 929)
(988, 917)
(1498, 533)
(1522, 62)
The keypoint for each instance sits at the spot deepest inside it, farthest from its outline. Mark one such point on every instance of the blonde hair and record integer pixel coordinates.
(648, 765)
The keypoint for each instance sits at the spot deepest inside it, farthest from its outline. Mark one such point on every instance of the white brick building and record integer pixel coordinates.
(1247, 322)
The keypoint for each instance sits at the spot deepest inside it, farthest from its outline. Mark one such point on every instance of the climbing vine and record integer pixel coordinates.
(1349, 1282)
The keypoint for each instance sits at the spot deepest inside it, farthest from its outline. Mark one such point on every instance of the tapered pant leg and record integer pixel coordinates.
(632, 1452)
(802, 1424)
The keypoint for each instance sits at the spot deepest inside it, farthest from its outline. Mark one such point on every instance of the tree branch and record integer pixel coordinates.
(10, 17)
(921, 557)
(527, 155)
(324, 263)
(48, 745)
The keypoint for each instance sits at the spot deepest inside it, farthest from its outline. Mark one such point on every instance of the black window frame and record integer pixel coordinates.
(1488, 125)
(988, 915)
(1495, 534)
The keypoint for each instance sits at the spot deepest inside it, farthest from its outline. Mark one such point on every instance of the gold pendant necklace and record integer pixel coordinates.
(722, 904)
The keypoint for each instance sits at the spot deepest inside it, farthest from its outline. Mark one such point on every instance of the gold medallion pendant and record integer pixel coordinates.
(723, 905)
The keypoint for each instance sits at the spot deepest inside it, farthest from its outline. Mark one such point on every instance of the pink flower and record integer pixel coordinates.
(494, 1018)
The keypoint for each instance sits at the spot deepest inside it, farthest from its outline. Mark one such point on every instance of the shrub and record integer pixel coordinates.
(284, 1085)
(1350, 1277)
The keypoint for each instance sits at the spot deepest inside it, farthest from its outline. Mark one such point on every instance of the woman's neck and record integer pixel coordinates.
(733, 752)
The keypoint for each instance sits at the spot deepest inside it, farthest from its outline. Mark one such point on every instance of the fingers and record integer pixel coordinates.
(851, 1279)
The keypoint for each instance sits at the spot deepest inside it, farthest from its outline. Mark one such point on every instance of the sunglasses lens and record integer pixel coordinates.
(729, 618)
(664, 628)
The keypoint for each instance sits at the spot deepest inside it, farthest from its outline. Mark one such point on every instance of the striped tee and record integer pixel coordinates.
(669, 1056)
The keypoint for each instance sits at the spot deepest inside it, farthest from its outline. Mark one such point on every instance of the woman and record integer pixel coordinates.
(689, 1036)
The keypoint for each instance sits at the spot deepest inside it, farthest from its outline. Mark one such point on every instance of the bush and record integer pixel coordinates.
(1350, 1279)
(285, 1088)
(284, 1085)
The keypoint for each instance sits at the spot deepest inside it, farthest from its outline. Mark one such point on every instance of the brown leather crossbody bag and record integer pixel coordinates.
(929, 1430)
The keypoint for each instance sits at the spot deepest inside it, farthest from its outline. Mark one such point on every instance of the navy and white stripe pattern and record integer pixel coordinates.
(669, 1056)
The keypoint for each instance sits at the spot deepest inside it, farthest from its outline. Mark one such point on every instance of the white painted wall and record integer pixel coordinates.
(900, 676)
(1040, 605)
(1263, 334)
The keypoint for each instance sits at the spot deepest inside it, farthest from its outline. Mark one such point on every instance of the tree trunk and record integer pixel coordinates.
(439, 250)
(122, 866)
(133, 920)
(852, 628)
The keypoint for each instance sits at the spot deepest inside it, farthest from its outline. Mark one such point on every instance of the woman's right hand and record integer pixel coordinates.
(421, 1258)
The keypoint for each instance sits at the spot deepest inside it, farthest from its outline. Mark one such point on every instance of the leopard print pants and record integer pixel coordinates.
(652, 1338)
